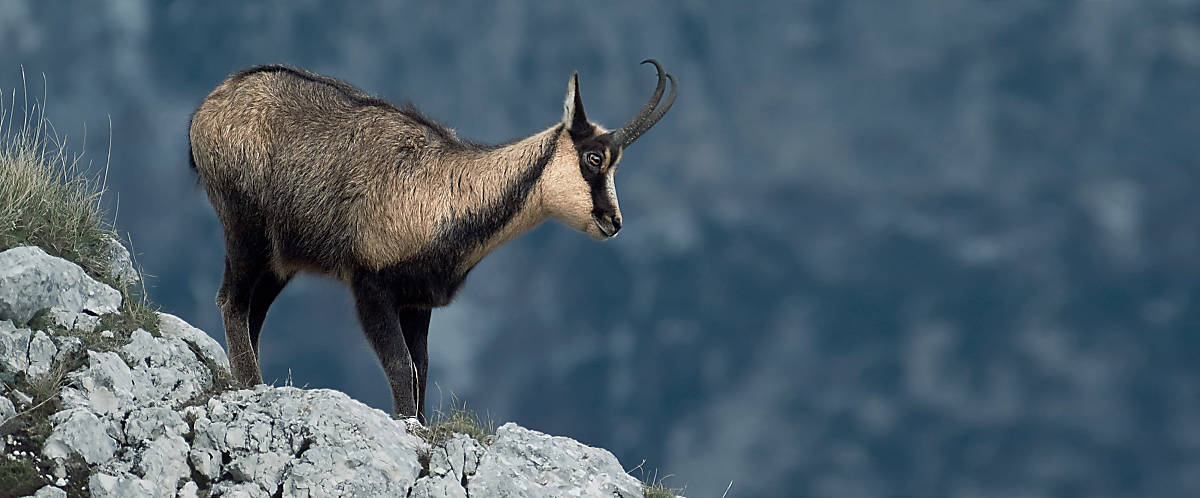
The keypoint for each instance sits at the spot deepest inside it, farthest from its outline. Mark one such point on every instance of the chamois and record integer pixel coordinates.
(307, 173)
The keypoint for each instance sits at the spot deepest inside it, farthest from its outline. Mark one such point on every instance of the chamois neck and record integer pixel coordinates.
(494, 192)
(511, 157)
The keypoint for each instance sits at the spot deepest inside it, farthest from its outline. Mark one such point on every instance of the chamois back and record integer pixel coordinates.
(312, 163)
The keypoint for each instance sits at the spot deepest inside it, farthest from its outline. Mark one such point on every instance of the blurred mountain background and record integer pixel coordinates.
(923, 248)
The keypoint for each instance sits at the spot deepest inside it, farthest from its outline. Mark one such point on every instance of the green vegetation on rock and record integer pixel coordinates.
(458, 419)
(47, 200)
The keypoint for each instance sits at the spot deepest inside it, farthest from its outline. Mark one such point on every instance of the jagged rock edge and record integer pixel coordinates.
(118, 476)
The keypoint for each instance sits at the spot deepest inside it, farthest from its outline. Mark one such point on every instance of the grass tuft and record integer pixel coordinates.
(444, 424)
(19, 476)
(47, 200)
(657, 489)
(653, 485)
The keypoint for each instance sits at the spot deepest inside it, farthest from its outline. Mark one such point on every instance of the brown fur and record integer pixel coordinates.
(307, 173)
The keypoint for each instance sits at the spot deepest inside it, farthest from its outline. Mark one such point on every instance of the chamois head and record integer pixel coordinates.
(582, 193)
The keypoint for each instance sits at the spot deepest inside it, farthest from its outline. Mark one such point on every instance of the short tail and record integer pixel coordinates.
(191, 156)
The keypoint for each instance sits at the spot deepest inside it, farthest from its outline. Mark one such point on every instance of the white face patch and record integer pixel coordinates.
(578, 188)
(564, 194)
(610, 189)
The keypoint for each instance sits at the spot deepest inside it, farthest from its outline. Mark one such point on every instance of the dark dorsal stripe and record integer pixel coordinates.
(361, 98)
(466, 232)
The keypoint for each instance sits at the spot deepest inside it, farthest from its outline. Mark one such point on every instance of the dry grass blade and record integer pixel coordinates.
(48, 200)
(654, 486)
(44, 198)
(444, 424)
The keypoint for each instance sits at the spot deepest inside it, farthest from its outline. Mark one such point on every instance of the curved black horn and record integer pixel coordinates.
(649, 114)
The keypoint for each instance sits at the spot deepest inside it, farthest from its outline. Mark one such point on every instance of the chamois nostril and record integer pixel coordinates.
(616, 222)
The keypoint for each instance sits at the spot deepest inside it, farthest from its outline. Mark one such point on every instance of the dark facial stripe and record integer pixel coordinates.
(596, 185)
(601, 205)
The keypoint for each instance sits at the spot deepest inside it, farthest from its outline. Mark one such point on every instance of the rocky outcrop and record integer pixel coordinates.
(31, 280)
(521, 462)
(120, 264)
(144, 413)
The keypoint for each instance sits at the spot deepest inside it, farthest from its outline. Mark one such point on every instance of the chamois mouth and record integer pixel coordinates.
(607, 229)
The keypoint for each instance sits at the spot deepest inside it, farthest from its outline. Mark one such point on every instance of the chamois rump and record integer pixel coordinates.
(307, 173)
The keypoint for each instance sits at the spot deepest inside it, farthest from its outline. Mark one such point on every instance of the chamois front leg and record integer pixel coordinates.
(415, 323)
(380, 321)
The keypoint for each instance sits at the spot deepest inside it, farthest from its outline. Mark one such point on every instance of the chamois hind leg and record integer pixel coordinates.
(381, 323)
(415, 323)
(268, 288)
(245, 263)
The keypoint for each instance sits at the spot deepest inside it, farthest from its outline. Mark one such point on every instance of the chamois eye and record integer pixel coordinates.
(594, 159)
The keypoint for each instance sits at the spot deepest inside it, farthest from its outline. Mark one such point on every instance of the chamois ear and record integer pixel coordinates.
(573, 116)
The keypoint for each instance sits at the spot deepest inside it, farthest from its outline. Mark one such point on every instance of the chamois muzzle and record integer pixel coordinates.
(649, 114)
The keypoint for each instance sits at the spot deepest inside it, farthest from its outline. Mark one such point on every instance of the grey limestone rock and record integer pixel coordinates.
(50, 492)
(79, 432)
(42, 352)
(172, 326)
(120, 264)
(522, 462)
(444, 486)
(14, 350)
(145, 421)
(152, 455)
(20, 398)
(228, 489)
(7, 411)
(147, 424)
(304, 442)
(206, 461)
(120, 485)
(458, 457)
(263, 469)
(31, 280)
(72, 320)
(162, 462)
(451, 465)
(188, 490)
(165, 370)
(66, 346)
(105, 386)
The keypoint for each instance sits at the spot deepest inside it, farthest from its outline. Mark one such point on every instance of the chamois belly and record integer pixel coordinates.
(425, 280)
(301, 245)
(428, 280)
